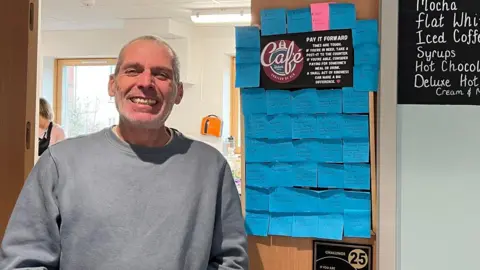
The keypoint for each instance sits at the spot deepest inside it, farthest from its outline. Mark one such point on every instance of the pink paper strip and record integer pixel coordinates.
(320, 16)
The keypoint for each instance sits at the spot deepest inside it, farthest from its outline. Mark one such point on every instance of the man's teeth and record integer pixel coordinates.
(145, 101)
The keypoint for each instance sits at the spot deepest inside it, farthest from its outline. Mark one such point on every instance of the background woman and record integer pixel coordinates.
(49, 132)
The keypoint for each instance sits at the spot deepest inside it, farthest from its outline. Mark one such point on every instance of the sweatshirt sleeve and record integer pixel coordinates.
(32, 238)
(229, 246)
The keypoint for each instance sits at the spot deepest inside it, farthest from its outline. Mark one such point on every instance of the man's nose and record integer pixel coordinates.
(145, 79)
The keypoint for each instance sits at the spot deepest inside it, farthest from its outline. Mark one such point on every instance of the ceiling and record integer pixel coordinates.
(110, 14)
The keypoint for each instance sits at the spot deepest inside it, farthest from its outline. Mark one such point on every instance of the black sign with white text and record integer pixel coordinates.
(321, 59)
(439, 52)
(341, 256)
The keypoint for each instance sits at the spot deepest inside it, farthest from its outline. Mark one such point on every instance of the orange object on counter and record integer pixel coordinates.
(211, 125)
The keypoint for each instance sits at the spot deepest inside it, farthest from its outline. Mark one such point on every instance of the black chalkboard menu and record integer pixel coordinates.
(321, 59)
(439, 52)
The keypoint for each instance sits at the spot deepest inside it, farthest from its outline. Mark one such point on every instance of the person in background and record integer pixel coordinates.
(49, 133)
(137, 195)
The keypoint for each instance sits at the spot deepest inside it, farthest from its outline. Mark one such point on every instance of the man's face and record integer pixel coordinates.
(144, 88)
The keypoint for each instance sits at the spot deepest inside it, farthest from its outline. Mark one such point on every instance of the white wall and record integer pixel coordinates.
(47, 78)
(439, 176)
(205, 66)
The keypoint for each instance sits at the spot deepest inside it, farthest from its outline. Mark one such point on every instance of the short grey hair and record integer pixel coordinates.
(159, 41)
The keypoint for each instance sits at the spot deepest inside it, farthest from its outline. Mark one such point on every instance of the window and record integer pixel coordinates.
(81, 101)
(235, 110)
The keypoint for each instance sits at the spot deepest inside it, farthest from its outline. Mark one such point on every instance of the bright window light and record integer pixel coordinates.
(221, 18)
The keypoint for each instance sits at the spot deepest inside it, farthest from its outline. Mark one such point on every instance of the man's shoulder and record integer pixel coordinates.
(79, 144)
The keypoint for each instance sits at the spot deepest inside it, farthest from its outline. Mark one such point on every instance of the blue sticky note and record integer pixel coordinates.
(342, 16)
(247, 56)
(330, 151)
(279, 102)
(329, 101)
(257, 175)
(332, 201)
(293, 200)
(367, 54)
(365, 78)
(256, 150)
(254, 100)
(305, 225)
(307, 201)
(305, 101)
(247, 37)
(305, 174)
(256, 126)
(247, 75)
(357, 176)
(281, 224)
(330, 175)
(330, 226)
(299, 20)
(273, 21)
(355, 101)
(280, 126)
(355, 126)
(356, 150)
(306, 149)
(281, 175)
(356, 200)
(256, 199)
(330, 126)
(284, 200)
(358, 223)
(257, 223)
(304, 126)
(280, 150)
(366, 31)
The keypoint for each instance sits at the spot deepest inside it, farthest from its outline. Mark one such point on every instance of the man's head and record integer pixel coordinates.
(146, 83)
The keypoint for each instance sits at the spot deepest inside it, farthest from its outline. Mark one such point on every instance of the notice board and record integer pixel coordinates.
(277, 252)
(438, 48)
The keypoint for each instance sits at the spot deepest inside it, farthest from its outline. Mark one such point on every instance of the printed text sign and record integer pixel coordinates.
(322, 59)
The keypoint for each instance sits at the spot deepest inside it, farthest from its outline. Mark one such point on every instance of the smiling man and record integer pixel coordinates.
(138, 195)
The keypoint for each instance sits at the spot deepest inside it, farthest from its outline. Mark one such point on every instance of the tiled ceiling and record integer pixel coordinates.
(109, 14)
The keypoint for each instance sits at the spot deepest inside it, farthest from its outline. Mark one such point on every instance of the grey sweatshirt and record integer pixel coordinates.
(98, 203)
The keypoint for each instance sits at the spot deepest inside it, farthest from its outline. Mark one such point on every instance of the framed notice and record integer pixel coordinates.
(341, 256)
(321, 59)
(438, 45)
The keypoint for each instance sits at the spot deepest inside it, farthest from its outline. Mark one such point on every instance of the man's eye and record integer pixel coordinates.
(131, 72)
(162, 76)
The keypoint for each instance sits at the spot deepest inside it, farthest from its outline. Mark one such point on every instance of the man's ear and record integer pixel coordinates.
(179, 96)
(111, 86)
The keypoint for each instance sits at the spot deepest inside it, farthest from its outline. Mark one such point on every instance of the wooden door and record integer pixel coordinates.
(18, 93)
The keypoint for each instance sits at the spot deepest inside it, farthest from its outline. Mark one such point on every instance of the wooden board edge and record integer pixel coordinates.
(242, 161)
(372, 97)
(373, 159)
